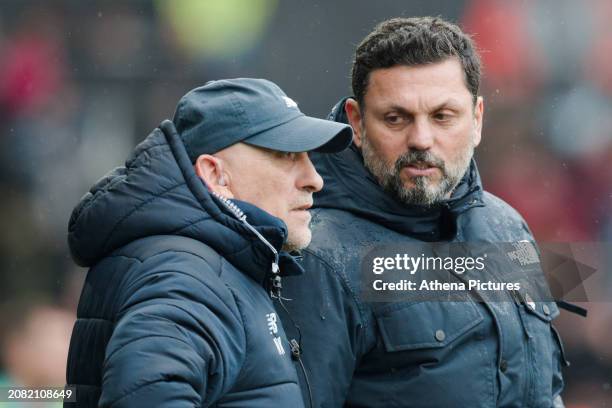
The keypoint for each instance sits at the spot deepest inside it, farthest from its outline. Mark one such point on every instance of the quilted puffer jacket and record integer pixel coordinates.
(175, 311)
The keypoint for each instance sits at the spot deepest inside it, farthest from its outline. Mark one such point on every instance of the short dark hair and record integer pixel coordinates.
(414, 41)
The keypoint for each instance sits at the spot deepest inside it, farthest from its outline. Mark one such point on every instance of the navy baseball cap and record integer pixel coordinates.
(254, 111)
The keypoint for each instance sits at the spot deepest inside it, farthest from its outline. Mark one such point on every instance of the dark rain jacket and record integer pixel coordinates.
(174, 310)
(414, 354)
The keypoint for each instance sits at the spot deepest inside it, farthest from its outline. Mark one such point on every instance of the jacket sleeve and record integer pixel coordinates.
(179, 340)
(326, 311)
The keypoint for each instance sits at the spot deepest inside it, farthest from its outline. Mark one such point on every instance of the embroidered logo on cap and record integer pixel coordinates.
(289, 102)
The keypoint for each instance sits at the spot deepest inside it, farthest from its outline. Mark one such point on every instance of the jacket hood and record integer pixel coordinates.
(158, 193)
(349, 186)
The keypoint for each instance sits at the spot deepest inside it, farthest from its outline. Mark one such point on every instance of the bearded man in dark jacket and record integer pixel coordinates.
(186, 243)
(410, 178)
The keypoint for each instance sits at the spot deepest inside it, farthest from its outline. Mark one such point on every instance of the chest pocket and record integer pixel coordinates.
(434, 345)
(535, 315)
(545, 311)
(420, 325)
(539, 317)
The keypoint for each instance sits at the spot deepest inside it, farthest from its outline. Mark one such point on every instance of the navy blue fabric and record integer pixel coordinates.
(174, 310)
(364, 354)
(217, 115)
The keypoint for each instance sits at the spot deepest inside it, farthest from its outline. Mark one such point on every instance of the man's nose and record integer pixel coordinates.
(309, 179)
(420, 136)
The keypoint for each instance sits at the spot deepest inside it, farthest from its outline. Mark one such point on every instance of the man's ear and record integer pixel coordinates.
(211, 170)
(478, 117)
(353, 113)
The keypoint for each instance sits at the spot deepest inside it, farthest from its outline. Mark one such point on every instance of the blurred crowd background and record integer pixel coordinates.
(81, 82)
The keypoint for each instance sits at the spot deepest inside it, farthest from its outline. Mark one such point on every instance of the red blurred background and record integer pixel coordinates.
(82, 82)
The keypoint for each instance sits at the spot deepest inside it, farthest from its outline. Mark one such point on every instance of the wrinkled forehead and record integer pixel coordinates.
(430, 84)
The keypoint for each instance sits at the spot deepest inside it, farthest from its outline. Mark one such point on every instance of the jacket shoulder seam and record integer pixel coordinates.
(164, 251)
(136, 208)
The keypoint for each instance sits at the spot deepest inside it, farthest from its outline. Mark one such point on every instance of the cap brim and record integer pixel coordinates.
(304, 134)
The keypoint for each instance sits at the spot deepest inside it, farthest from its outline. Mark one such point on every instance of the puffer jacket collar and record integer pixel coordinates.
(158, 193)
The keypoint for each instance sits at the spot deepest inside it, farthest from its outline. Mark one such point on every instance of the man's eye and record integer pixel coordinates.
(393, 119)
(442, 116)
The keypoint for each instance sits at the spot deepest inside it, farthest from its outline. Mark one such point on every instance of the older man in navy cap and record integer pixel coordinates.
(185, 245)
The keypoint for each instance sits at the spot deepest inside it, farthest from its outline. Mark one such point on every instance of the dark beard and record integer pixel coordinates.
(423, 193)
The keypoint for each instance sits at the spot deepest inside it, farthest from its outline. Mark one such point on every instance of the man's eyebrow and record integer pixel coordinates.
(399, 109)
(451, 103)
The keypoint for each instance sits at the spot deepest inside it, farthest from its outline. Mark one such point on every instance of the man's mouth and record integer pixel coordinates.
(420, 169)
(304, 207)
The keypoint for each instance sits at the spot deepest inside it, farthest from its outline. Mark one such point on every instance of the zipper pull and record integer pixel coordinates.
(516, 296)
(296, 352)
(275, 286)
